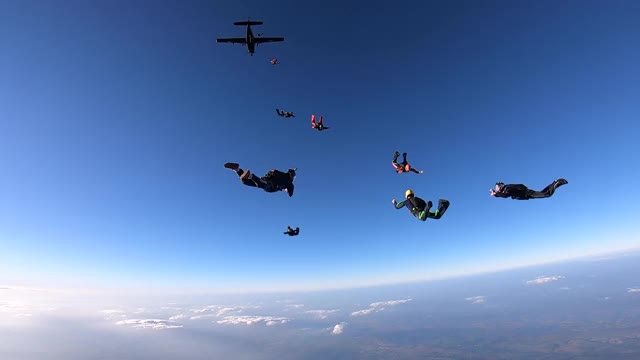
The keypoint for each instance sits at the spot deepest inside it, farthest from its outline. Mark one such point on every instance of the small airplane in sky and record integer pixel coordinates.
(250, 40)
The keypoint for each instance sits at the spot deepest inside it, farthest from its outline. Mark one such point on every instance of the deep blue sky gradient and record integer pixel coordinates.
(116, 118)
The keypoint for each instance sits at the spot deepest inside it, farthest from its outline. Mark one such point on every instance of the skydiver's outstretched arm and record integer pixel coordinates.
(498, 194)
(290, 189)
(416, 171)
(398, 205)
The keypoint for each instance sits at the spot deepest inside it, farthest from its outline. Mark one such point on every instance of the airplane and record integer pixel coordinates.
(250, 40)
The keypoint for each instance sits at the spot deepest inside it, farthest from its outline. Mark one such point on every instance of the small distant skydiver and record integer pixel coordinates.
(521, 192)
(285, 114)
(419, 208)
(274, 61)
(292, 232)
(318, 125)
(273, 181)
(404, 166)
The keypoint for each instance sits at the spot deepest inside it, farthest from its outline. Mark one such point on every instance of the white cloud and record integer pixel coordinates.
(295, 305)
(250, 320)
(476, 299)
(197, 317)
(218, 310)
(177, 317)
(363, 312)
(542, 279)
(156, 324)
(633, 290)
(321, 314)
(339, 328)
(389, 303)
(379, 306)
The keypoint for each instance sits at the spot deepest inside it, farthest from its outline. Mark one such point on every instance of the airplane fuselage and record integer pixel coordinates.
(251, 45)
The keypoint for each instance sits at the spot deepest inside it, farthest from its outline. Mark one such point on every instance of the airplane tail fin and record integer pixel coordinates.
(247, 23)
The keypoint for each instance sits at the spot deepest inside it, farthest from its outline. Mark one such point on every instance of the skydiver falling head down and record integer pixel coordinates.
(317, 125)
(273, 181)
(285, 114)
(419, 208)
(521, 192)
(292, 232)
(404, 166)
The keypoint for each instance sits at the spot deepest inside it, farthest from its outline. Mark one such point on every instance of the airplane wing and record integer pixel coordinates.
(233, 40)
(260, 40)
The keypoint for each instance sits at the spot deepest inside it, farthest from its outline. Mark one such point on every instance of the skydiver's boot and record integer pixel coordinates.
(443, 205)
(232, 166)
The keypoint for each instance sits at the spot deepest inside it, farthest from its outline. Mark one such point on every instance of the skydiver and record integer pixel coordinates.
(292, 232)
(274, 61)
(521, 192)
(285, 114)
(419, 208)
(404, 166)
(319, 125)
(273, 181)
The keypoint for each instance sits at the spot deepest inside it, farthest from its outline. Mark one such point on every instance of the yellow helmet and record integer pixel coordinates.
(407, 193)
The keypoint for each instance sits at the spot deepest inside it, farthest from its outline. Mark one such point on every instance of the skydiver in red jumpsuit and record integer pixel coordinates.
(318, 125)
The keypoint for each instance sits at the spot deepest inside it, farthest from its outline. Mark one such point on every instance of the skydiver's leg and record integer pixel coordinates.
(547, 191)
(320, 122)
(424, 214)
(279, 112)
(443, 205)
(250, 179)
(313, 121)
(394, 162)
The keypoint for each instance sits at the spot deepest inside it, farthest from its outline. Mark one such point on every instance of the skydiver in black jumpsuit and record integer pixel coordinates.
(521, 192)
(292, 232)
(274, 180)
(285, 114)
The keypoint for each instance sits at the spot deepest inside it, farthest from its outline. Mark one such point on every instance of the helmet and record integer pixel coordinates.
(407, 193)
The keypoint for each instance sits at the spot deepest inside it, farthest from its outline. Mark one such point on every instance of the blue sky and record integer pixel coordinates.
(116, 118)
